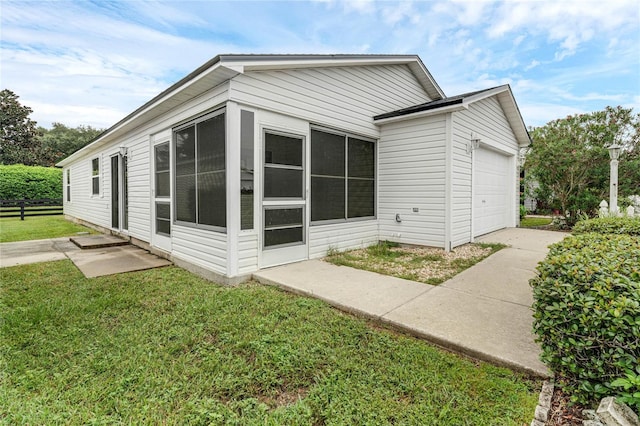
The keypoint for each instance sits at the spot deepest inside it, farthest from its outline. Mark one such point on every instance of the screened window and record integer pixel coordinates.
(95, 176)
(163, 184)
(342, 177)
(283, 175)
(246, 169)
(68, 185)
(200, 182)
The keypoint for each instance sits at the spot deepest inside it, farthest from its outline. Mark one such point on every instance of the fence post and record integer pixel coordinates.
(21, 209)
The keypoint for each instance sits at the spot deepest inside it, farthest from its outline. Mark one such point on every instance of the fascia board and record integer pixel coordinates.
(113, 131)
(420, 114)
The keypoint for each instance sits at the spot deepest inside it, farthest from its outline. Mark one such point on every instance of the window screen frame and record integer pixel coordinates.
(347, 136)
(95, 176)
(194, 123)
(68, 182)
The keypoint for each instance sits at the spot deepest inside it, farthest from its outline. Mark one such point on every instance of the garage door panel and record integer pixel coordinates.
(491, 191)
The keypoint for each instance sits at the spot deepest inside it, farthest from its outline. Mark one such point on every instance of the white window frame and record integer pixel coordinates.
(347, 136)
(95, 176)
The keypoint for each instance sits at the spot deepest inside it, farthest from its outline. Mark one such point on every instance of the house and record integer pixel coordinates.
(253, 161)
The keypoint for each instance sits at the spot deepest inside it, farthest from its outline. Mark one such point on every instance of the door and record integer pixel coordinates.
(284, 231)
(119, 192)
(115, 192)
(161, 196)
(491, 191)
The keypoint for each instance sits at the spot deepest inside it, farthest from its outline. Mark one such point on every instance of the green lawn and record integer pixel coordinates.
(166, 347)
(533, 222)
(38, 228)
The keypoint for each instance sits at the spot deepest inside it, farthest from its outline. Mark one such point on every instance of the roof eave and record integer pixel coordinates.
(423, 113)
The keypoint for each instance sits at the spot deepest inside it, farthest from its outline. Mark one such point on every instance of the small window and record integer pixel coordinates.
(68, 185)
(95, 176)
(246, 169)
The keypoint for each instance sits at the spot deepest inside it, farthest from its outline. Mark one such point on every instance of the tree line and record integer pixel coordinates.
(24, 142)
(567, 163)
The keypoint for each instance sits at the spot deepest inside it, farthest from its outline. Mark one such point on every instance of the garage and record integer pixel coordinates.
(492, 191)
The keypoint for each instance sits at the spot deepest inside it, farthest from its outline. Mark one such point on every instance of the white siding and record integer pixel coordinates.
(487, 121)
(411, 174)
(207, 249)
(84, 205)
(247, 253)
(203, 248)
(343, 236)
(341, 97)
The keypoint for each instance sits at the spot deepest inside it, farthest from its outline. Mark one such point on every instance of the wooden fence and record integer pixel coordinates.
(22, 208)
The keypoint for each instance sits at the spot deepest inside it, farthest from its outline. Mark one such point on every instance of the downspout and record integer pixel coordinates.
(448, 181)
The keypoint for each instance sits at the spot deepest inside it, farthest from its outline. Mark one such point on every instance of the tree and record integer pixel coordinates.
(569, 160)
(61, 141)
(19, 143)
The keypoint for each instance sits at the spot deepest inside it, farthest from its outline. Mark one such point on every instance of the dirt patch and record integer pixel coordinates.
(417, 263)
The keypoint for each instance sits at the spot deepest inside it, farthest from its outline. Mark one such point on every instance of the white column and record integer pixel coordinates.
(613, 188)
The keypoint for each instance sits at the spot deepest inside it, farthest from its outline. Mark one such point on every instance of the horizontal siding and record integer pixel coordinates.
(203, 248)
(247, 253)
(207, 249)
(486, 120)
(92, 208)
(411, 174)
(342, 236)
(346, 98)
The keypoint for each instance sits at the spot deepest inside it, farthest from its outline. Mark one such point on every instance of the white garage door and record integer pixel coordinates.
(491, 191)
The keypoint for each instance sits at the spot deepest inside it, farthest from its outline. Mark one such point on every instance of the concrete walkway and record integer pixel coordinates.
(106, 255)
(483, 312)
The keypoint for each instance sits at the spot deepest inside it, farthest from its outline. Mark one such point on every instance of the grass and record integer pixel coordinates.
(38, 228)
(166, 347)
(423, 264)
(534, 222)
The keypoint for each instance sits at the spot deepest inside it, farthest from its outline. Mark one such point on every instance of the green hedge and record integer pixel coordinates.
(609, 225)
(30, 182)
(587, 312)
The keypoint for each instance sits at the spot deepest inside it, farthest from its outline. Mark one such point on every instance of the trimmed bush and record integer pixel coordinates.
(587, 312)
(609, 225)
(18, 181)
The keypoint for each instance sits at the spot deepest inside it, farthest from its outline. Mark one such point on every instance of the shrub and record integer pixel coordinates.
(18, 181)
(587, 312)
(609, 225)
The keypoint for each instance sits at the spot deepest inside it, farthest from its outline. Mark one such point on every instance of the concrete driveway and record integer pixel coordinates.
(484, 312)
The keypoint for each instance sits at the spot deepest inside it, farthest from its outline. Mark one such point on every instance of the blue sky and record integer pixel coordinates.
(93, 62)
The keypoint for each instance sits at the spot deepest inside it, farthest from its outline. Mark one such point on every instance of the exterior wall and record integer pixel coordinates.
(343, 236)
(84, 205)
(345, 98)
(411, 174)
(487, 121)
(203, 248)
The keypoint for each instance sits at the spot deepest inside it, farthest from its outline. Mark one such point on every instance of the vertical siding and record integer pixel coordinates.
(346, 98)
(487, 120)
(411, 174)
(343, 236)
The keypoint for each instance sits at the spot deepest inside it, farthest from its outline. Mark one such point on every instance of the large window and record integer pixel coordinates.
(342, 177)
(95, 176)
(200, 182)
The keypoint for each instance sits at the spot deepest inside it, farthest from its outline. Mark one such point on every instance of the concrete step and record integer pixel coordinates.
(98, 241)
